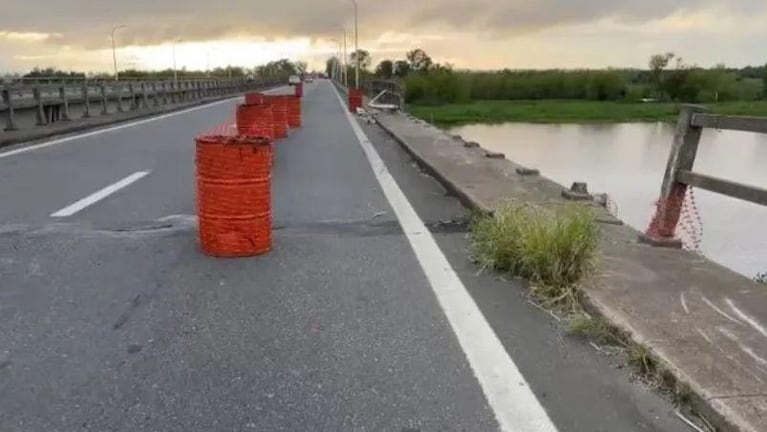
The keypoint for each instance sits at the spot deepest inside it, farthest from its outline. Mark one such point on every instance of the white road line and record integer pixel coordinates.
(515, 406)
(111, 129)
(99, 195)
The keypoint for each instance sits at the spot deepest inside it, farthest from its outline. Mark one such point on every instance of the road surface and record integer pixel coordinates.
(367, 316)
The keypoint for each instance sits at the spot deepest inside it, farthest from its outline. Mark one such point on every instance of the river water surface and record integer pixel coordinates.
(627, 162)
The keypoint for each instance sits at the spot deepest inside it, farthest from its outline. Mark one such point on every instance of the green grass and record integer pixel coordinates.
(553, 248)
(560, 111)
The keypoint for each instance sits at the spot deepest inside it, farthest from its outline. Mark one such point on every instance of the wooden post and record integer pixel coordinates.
(10, 124)
(39, 111)
(672, 195)
(86, 101)
(103, 92)
(64, 102)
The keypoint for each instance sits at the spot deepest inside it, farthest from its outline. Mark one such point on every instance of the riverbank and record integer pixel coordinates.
(568, 111)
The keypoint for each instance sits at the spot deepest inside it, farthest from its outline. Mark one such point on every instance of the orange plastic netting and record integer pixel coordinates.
(279, 105)
(234, 195)
(294, 111)
(355, 99)
(255, 120)
(254, 99)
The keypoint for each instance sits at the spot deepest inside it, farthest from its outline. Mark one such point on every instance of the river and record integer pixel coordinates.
(627, 162)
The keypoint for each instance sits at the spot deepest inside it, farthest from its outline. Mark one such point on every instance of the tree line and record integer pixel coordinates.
(667, 78)
(278, 69)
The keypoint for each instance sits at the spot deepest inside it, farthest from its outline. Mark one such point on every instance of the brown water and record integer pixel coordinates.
(627, 162)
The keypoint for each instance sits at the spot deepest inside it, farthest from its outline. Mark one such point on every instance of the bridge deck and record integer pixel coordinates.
(112, 320)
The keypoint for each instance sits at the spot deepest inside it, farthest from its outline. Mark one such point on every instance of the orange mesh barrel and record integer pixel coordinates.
(234, 195)
(255, 120)
(279, 105)
(254, 99)
(294, 111)
(355, 99)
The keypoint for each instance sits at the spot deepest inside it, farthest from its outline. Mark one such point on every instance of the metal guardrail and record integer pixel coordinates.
(679, 175)
(53, 103)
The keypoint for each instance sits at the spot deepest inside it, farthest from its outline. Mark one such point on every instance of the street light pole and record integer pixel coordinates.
(346, 68)
(175, 71)
(114, 50)
(356, 46)
(337, 61)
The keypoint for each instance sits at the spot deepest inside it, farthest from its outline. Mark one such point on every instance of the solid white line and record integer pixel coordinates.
(111, 129)
(515, 406)
(99, 195)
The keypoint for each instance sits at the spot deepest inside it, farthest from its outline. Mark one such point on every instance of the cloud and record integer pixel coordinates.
(87, 22)
(467, 33)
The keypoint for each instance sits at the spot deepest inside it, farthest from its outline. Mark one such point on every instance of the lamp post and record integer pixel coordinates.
(346, 69)
(337, 63)
(114, 50)
(175, 72)
(356, 46)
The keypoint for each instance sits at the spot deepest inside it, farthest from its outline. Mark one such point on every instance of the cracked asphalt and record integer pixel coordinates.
(111, 319)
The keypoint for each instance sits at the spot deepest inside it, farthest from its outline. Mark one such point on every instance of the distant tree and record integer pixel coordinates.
(333, 66)
(401, 68)
(764, 82)
(364, 56)
(419, 60)
(658, 63)
(385, 69)
(301, 67)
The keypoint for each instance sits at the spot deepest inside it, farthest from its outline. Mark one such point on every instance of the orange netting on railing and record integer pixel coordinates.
(234, 192)
(689, 225)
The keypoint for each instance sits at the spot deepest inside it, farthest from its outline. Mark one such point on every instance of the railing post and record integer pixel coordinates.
(103, 93)
(39, 111)
(144, 101)
(132, 90)
(10, 124)
(118, 91)
(672, 195)
(86, 100)
(64, 102)
(155, 99)
(164, 93)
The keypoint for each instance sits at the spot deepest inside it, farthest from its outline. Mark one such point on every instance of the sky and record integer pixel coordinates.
(477, 34)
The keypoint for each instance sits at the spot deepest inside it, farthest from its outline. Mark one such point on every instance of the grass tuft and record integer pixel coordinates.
(553, 248)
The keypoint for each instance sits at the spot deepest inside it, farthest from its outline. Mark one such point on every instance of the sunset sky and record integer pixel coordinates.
(484, 34)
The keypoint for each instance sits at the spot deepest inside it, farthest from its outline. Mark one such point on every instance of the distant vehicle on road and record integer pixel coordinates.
(294, 80)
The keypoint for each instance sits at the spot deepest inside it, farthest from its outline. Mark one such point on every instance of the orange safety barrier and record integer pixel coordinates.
(255, 120)
(355, 99)
(234, 195)
(254, 98)
(279, 105)
(294, 111)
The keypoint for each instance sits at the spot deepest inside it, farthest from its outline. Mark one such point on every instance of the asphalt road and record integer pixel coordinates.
(111, 319)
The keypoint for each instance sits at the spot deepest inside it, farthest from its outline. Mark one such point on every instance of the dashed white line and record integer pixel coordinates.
(515, 406)
(99, 195)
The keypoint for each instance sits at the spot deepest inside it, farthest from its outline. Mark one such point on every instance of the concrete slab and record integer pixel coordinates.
(705, 323)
